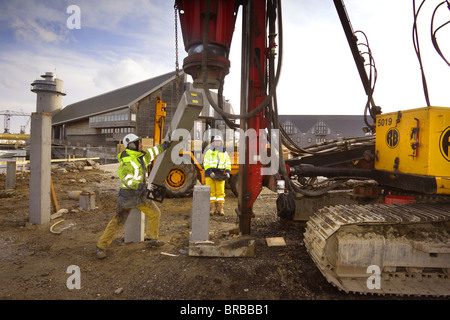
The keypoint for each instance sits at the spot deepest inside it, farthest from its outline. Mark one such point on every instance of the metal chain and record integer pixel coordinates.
(177, 71)
(177, 66)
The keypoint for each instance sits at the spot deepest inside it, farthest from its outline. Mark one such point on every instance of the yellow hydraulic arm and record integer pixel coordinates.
(160, 114)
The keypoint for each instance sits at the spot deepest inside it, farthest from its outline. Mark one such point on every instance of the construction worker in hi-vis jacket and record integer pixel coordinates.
(133, 191)
(217, 166)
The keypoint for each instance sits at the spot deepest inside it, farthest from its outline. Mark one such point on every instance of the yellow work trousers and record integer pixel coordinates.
(150, 209)
(217, 190)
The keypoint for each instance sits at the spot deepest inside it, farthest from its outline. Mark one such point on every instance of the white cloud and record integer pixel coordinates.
(113, 15)
(124, 72)
(11, 84)
(30, 31)
(32, 21)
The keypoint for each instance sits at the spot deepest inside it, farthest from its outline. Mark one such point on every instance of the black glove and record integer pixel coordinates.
(142, 186)
(165, 145)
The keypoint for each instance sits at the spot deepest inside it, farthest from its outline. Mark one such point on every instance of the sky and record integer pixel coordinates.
(123, 42)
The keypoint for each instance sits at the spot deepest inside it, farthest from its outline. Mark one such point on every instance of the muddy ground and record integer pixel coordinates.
(34, 261)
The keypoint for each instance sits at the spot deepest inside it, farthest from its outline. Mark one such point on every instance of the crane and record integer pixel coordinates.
(7, 114)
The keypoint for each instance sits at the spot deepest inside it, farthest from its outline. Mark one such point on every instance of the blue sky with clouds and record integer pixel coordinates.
(123, 42)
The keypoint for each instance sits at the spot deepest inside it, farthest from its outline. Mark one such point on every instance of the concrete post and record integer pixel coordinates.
(10, 182)
(200, 214)
(135, 226)
(40, 174)
(86, 200)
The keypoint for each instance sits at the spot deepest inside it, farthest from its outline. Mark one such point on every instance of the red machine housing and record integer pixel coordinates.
(221, 27)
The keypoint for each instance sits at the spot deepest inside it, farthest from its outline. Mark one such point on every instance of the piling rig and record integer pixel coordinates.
(398, 238)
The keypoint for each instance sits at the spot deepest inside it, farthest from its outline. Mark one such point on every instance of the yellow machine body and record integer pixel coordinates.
(415, 142)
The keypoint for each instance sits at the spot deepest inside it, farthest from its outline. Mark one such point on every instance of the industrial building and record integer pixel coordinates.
(93, 127)
(105, 119)
(306, 130)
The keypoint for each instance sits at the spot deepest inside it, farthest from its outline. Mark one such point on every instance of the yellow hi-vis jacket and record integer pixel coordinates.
(133, 166)
(216, 159)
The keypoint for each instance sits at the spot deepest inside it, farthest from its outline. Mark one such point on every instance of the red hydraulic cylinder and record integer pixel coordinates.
(221, 27)
(252, 178)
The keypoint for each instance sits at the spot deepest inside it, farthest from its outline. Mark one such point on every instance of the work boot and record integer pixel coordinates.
(220, 209)
(101, 254)
(154, 243)
(212, 210)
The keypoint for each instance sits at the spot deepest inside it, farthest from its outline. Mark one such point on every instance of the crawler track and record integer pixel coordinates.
(409, 245)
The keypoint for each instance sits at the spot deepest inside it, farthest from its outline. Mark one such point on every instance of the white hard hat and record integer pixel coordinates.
(130, 138)
(217, 138)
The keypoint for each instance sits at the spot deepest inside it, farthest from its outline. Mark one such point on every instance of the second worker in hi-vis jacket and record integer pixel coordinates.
(217, 166)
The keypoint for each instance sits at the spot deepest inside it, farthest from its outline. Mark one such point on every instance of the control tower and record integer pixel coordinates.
(49, 93)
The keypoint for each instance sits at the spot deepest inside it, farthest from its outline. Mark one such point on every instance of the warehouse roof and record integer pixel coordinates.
(116, 99)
